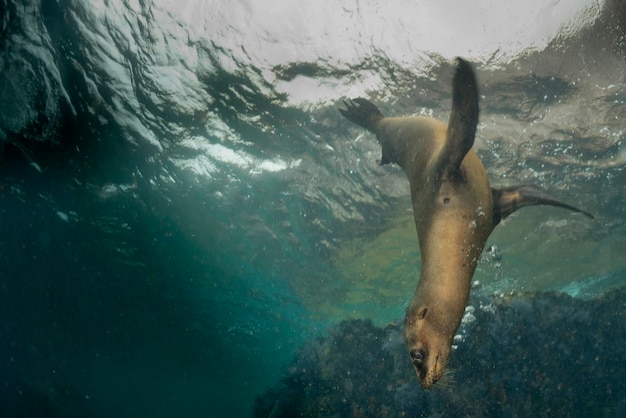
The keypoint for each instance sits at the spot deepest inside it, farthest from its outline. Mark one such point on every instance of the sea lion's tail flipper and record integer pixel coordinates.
(362, 112)
(463, 120)
(508, 200)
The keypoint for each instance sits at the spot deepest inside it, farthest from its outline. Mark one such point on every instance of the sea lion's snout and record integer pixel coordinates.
(427, 351)
(419, 358)
(427, 369)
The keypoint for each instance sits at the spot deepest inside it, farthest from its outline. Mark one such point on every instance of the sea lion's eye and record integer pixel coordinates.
(417, 356)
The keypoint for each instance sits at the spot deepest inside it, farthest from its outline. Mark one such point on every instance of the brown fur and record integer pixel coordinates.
(455, 210)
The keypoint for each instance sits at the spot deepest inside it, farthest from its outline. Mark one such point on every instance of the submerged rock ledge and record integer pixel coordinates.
(535, 354)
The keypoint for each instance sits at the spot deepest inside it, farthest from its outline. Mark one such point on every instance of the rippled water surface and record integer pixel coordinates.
(182, 206)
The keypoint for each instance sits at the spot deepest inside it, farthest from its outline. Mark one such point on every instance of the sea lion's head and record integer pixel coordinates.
(428, 347)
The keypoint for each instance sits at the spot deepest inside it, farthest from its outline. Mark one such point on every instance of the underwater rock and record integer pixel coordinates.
(529, 355)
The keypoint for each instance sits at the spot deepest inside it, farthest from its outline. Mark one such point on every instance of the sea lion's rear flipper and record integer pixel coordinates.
(508, 200)
(463, 120)
(362, 112)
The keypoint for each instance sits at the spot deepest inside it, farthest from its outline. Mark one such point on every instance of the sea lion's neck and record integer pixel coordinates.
(444, 290)
(451, 241)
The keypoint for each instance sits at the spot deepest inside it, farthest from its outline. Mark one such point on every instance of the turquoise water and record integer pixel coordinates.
(180, 215)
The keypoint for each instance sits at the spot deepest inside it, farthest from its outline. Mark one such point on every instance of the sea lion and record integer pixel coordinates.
(455, 210)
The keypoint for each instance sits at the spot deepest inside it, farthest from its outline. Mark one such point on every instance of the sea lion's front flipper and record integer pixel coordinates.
(362, 112)
(365, 114)
(508, 200)
(463, 120)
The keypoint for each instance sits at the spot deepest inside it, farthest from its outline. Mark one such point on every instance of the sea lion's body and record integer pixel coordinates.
(455, 210)
(453, 218)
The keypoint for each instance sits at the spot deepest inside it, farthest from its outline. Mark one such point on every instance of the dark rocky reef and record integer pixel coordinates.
(528, 355)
